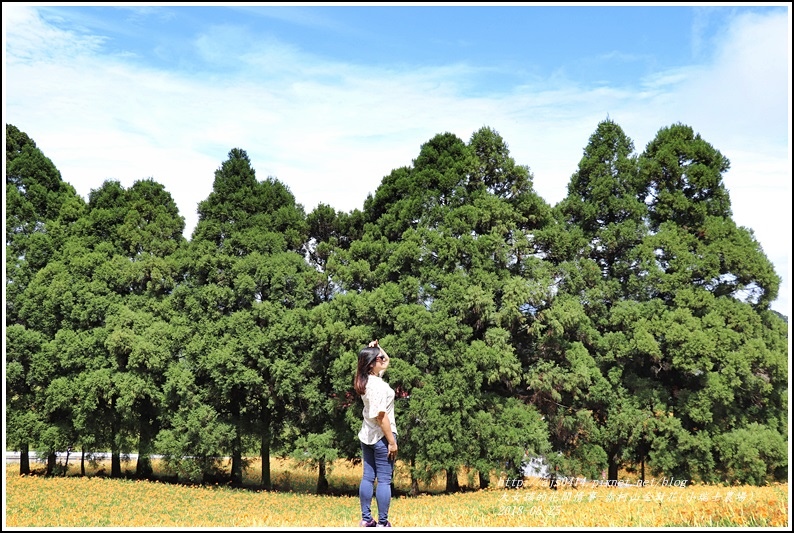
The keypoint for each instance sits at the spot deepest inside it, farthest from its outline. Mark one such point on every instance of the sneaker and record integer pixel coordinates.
(387, 524)
(367, 523)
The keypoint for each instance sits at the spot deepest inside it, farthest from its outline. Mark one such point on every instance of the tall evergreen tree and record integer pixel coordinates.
(715, 348)
(39, 209)
(246, 293)
(102, 383)
(441, 261)
(339, 328)
(602, 221)
(653, 274)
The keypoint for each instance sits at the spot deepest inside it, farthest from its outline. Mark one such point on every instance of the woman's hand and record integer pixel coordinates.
(392, 451)
(383, 353)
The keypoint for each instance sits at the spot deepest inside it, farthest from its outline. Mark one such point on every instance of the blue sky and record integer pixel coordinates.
(329, 99)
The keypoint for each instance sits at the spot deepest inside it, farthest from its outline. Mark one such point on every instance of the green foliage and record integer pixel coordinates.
(752, 455)
(655, 280)
(312, 449)
(628, 324)
(200, 431)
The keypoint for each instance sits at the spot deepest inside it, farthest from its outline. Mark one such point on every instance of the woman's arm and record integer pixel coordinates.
(385, 425)
(382, 351)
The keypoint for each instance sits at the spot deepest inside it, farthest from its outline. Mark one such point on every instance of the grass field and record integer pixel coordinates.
(96, 501)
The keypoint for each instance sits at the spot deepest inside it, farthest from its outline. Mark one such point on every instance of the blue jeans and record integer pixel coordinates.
(376, 466)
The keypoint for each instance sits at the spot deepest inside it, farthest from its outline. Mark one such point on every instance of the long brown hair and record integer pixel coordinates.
(366, 358)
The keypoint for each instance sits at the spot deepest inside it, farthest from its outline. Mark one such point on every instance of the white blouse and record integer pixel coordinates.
(378, 398)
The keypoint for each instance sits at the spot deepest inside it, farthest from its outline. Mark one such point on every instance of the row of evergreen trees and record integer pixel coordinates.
(629, 325)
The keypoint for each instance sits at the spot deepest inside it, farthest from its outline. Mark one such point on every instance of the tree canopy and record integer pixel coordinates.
(626, 328)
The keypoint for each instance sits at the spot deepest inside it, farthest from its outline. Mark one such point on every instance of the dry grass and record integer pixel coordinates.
(97, 501)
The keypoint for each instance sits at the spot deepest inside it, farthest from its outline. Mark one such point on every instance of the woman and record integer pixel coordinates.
(378, 434)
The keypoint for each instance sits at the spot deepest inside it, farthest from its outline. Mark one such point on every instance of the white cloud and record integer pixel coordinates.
(28, 38)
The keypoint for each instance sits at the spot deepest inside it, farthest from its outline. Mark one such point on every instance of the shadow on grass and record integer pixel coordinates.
(343, 481)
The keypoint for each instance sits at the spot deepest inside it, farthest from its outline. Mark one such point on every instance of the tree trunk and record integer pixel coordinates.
(414, 481)
(237, 458)
(24, 460)
(66, 463)
(553, 478)
(612, 472)
(642, 471)
(115, 438)
(50, 463)
(237, 451)
(264, 450)
(322, 480)
(143, 468)
(115, 464)
(452, 480)
(485, 480)
(82, 462)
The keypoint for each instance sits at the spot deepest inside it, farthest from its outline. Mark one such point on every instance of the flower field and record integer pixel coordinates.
(96, 501)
